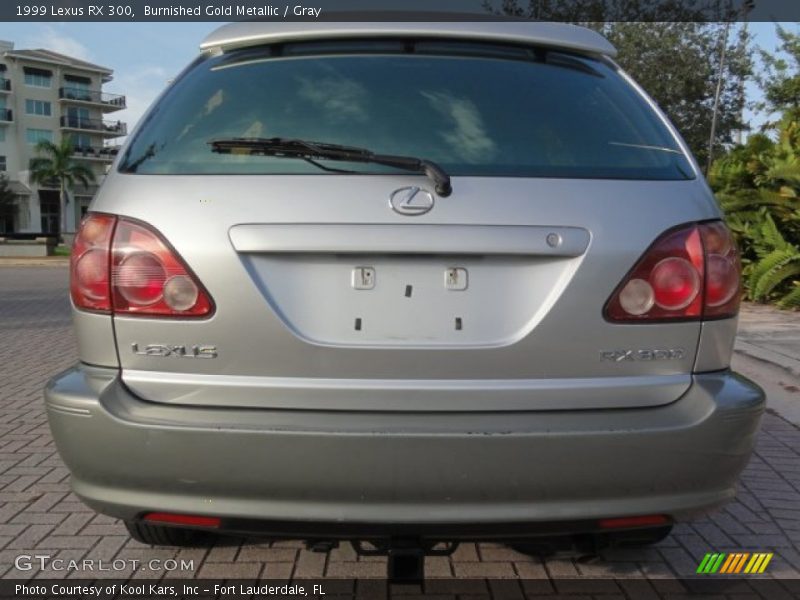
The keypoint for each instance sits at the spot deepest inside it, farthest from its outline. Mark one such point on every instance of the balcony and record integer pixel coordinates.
(107, 102)
(104, 128)
(5, 85)
(100, 153)
(6, 116)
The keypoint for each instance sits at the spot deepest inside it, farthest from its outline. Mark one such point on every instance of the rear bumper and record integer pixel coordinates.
(312, 473)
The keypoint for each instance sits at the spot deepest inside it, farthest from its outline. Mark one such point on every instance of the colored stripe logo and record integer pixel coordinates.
(734, 562)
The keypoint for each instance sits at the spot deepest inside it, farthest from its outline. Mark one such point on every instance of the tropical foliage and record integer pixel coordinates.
(779, 76)
(758, 186)
(758, 183)
(55, 166)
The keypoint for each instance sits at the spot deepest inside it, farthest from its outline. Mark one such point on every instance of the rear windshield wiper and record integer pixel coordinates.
(311, 151)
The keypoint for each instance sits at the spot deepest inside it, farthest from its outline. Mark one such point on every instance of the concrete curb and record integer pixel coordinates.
(55, 261)
(771, 336)
(787, 363)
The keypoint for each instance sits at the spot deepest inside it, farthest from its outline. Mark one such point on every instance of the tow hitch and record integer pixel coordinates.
(406, 556)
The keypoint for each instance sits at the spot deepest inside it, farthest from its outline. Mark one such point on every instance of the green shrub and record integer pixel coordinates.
(757, 185)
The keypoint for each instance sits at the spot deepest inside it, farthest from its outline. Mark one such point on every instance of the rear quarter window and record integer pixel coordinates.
(476, 109)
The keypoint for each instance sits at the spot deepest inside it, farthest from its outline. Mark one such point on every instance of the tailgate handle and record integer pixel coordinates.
(409, 239)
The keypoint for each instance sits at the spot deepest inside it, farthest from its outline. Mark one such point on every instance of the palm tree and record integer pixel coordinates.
(55, 163)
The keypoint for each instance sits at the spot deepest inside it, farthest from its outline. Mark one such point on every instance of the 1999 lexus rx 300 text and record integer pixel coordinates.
(404, 281)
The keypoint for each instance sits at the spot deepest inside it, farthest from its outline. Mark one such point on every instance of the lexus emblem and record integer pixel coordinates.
(411, 201)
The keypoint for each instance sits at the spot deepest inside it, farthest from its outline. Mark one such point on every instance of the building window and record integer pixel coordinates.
(38, 78)
(38, 107)
(75, 112)
(78, 117)
(2, 163)
(77, 88)
(2, 134)
(81, 141)
(34, 136)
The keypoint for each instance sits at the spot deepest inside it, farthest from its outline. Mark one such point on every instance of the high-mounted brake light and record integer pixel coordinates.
(688, 273)
(126, 267)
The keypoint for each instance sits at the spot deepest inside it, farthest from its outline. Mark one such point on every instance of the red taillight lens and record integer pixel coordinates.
(688, 273)
(149, 278)
(676, 283)
(140, 278)
(723, 271)
(125, 267)
(89, 263)
(666, 282)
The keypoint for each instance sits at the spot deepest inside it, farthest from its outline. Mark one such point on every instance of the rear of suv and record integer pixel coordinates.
(404, 281)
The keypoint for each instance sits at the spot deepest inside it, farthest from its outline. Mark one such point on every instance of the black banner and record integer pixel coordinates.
(399, 10)
(734, 587)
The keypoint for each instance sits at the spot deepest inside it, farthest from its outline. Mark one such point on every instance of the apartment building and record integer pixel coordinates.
(46, 95)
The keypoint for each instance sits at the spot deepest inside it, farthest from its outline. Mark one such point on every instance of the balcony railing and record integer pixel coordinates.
(115, 101)
(112, 128)
(5, 84)
(95, 152)
(6, 114)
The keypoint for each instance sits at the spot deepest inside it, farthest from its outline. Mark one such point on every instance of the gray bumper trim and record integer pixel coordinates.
(130, 456)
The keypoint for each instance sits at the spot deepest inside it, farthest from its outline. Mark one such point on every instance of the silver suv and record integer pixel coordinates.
(404, 283)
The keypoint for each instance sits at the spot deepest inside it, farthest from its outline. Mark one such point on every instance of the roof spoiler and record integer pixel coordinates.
(555, 35)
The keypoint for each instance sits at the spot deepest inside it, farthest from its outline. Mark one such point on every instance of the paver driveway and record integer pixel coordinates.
(38, 514)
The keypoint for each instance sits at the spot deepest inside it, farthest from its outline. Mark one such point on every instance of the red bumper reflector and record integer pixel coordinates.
(627, 522)
(173, 519)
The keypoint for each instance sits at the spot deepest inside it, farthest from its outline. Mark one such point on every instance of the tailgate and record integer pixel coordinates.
(334, 302)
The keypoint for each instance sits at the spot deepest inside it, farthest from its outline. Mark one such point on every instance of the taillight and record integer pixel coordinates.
(722, 271)
(688, 273)
(134, 271)
(89, 263)
(149, 278)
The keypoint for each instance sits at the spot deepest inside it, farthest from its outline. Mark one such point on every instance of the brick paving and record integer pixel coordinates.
(39, 515)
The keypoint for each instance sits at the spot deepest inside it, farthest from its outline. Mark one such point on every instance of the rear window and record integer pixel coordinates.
(475, 109)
